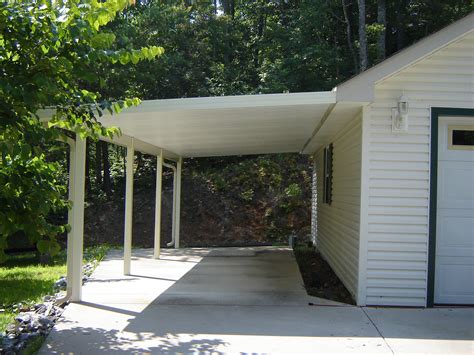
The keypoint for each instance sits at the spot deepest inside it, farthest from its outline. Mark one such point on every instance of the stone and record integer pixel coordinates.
(45, 322)
(23, 318)
(40, 308)
(61, 284)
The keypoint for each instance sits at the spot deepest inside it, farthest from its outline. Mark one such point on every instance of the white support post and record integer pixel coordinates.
(70, 217)
(173, 210)
(159, 174)
(76, 237)
(178, 202)
(127, 247)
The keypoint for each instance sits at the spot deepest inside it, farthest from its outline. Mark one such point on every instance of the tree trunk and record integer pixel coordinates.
(401, 25)
(349, 36)
(362, 36)
(98, 164)
(106, 185)
(260, 31)
(382, 20)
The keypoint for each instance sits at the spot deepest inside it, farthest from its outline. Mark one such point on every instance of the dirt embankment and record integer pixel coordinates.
(208, 217)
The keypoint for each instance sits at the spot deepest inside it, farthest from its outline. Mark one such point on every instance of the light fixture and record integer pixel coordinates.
(400, 116)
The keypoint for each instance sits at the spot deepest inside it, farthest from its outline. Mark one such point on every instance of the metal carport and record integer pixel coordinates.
(175, 129)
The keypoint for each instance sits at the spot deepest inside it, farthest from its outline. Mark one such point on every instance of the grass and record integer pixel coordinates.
(24, 280)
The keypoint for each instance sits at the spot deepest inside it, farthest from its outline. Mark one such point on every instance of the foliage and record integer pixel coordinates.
(278, 184)
(259, 46)
(47, 54)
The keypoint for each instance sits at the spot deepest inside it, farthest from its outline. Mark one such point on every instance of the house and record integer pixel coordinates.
(393, 202)
(395, 190)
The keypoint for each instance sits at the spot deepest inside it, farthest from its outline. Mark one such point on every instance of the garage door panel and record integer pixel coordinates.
(453, 189)
(456, 228)
(455, 280)
(454, 266)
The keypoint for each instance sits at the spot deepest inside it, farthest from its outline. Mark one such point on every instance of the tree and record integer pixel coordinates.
(350, 45)
(382, 21)
(48, 51)
(363, 54)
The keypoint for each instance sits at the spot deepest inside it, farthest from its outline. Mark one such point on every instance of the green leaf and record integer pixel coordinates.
(43, 246)
(102, 40)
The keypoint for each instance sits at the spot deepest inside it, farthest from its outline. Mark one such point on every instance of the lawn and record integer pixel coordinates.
(24, 280)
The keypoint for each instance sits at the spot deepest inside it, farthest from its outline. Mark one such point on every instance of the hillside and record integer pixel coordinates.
(225, 202)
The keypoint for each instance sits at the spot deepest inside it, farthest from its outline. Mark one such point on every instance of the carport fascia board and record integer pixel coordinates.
(122, 140)
(436, 112)
(237, 101)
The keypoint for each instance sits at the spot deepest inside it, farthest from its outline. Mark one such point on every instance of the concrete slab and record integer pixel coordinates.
(438, 330)
(214, 329)
(219, 276)
(237, 300)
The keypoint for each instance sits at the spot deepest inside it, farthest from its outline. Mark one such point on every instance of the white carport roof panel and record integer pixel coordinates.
(232, 125)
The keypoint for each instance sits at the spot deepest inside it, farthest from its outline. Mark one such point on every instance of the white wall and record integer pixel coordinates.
(338, 224)
(398, 169)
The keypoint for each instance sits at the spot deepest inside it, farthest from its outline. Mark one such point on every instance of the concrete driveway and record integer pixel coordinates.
(239, 300)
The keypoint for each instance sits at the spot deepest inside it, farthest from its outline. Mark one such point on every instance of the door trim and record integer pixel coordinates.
(436, 112)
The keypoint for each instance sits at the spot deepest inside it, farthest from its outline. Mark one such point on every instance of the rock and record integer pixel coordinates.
(12, 329)
(23, 318)
(45, 322)
(40, 308)
(61, 284)
(7, 345)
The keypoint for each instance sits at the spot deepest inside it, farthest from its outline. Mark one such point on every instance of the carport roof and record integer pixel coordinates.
(227, 125)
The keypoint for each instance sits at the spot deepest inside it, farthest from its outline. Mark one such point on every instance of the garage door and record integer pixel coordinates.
(454, 269)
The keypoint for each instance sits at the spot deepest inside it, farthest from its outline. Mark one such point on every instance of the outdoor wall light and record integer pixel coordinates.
(400, 116)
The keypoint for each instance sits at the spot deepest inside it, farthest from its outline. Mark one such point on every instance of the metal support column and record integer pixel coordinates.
(76, 218)
(127, 247)
(178, 201)
(159, 175)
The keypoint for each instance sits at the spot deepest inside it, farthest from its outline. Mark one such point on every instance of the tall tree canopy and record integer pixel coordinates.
(48, 50)
(266, 46)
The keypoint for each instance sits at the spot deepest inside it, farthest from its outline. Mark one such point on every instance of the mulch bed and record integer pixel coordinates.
(319, 279)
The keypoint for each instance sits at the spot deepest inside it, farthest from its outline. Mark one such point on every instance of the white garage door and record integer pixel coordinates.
(454, 266)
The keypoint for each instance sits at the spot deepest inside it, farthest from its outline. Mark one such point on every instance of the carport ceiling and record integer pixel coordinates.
(227, 125)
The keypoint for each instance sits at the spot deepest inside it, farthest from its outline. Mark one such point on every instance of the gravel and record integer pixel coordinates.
(37, 321)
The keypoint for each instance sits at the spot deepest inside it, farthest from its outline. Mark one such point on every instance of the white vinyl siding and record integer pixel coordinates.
(398, 172)
(314, 204)
(338, 223)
